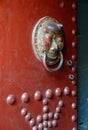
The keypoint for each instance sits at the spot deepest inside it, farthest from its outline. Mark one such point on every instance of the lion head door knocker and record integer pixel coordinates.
(48, 43)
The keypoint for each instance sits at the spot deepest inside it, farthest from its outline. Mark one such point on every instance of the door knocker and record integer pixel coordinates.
(48, 43)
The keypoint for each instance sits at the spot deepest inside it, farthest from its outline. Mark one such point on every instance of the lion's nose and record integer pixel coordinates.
(54, 47)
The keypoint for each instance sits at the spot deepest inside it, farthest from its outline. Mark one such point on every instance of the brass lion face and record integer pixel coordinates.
(48, 40)
(52, 41)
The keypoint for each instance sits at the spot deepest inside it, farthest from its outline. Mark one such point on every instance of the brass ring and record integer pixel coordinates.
(53, 69)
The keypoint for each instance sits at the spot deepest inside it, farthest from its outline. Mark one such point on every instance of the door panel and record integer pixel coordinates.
(27, 89)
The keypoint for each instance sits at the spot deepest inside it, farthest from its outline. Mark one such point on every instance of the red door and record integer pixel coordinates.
(38, 65)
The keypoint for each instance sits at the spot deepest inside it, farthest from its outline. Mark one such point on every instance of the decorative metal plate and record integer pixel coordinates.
(32, 98)
(48, 42)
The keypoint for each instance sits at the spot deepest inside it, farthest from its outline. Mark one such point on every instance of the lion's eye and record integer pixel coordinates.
(46, 43)
(59, 40)
(61, 45)
(48, 37)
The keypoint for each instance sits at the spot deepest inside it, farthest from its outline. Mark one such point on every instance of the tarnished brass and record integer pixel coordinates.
(48, 42)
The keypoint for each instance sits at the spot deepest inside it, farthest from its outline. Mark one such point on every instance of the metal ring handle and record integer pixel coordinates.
(53, 69)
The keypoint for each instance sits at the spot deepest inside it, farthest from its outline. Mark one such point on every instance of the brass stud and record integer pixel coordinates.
(73, 118)
(74, 128)
(38, 95)
(73, 105)
(61, 103)
(58, 109)
(74, 82)
(28, 116)
(54, 123)
(45, 123)
(73, 32)
(45, 101)
(35, 128)
(25, 97)
(32, 122)
(45, 116)
(66, 90)
(73, 19)
(45, 109)
(73, 69)
(10, 99)
(40, 126)
(56, 115)
(74, 6)
(50, 115)
(39, 119)
(62, 4)
(73, 44)
(49, 93)
(73, 57)
(73, 93)
(23, 111)
(58, 92)
(49, 124)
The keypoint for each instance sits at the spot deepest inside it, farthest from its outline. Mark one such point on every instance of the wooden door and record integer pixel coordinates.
(32, 97)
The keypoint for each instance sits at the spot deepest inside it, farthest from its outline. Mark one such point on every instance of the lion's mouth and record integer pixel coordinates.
(53, 58)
